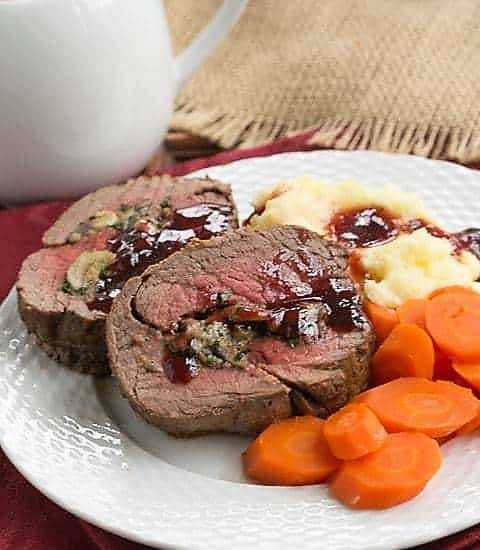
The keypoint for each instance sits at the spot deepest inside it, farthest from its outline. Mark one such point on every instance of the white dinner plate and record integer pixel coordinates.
(76, 439)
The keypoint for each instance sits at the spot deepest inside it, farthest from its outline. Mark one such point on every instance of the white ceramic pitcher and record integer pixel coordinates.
(87, 90)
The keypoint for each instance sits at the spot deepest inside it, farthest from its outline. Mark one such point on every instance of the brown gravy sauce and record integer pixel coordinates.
(179, 368)
(367, 227)
(469, 239)
(140, 247)
(363, 227)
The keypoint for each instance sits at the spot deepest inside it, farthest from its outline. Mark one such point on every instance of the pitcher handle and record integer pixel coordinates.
(207, 39)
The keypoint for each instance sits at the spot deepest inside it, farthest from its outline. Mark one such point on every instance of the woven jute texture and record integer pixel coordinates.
(390, 75)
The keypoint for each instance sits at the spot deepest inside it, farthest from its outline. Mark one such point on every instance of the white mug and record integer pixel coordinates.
(87, 90)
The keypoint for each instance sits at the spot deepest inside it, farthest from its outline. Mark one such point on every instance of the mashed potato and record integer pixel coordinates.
(310, 203)
(414, 265)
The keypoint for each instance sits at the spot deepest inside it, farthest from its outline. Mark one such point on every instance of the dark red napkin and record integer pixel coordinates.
(28, 520)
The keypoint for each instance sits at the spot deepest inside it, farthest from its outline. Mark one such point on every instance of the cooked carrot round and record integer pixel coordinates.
(470, 372)
(354, 431)
(290, 452)
(408, 351)
(470, 427)
(453, 321)
(382, 318)
(436, 409)
(397, 472)
(413, 312)
(451, 289)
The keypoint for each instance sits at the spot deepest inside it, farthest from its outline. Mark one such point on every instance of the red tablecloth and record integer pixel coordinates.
(28, 520)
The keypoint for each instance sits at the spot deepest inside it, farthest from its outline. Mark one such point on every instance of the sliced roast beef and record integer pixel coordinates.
(233, 333)
(65, 290)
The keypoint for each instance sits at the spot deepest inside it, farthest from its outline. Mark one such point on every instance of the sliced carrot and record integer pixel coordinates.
(469, 372)
(436, 409)
(453, 321)
(354, 431)
(290, 452)
(408, 351)
(383, 319)
(449, 290)
(397, 472)
(470, 427)
(413, 311)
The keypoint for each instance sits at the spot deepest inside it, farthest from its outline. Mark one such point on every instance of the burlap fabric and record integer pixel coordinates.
(390, 75)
